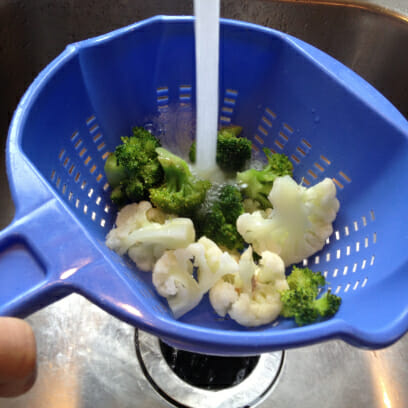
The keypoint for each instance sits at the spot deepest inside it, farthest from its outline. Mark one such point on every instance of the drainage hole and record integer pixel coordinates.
(206, 371)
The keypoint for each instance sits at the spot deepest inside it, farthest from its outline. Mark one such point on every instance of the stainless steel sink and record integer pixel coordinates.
(86, 357)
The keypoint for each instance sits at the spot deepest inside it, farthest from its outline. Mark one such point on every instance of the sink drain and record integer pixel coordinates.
(199, 381)
(208, 372)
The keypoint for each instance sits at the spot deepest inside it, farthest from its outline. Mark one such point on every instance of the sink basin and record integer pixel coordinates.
(368, 36)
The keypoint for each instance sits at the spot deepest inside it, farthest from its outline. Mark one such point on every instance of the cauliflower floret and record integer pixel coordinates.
(252, 296)
(211, 261)
(144, 256)
(222, 295)
(145, 233)
(173, 279)
(129, 218)
(173, 273)
(299, 223)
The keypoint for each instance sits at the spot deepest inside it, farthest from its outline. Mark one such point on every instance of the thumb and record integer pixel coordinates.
(17, 357)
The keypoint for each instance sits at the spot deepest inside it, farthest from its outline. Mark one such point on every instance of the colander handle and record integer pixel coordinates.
(39, 251)
(46, 255)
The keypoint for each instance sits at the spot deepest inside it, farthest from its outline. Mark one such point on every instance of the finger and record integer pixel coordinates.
(17, 357)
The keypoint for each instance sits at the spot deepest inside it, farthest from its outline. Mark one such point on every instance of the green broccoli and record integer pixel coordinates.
(257, 184)
(218, 222)
(133, 168)
(327, 305)
(233, 152)
(305, 278)
(181, 193)
(299, 301)
(118, 196)
(114, 173)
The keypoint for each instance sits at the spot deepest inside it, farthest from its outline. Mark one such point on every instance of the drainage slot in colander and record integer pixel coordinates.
(206, 381)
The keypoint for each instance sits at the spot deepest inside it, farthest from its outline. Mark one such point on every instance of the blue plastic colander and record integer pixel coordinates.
(287, 95)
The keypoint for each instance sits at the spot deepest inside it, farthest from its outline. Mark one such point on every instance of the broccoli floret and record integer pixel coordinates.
(134, 189)
(305, 278)
(181, 193)
(257, 184)
(118, 196)
(327, 305)
(233, 152)
(224, 234)
(218, 221)
(299, 301)
(133, 168)
(230, 203)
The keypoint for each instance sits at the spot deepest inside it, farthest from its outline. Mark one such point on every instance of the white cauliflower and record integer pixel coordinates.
(173, 279)
(173, 273)
(145, 233)
(299, 223)
(251, 296)
(211, 262)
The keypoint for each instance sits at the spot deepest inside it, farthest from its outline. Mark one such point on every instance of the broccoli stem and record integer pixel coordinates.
(232, 129)
(115, 173)
(176, 171)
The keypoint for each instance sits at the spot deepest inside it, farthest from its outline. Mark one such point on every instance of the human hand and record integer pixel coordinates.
(17, 357)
